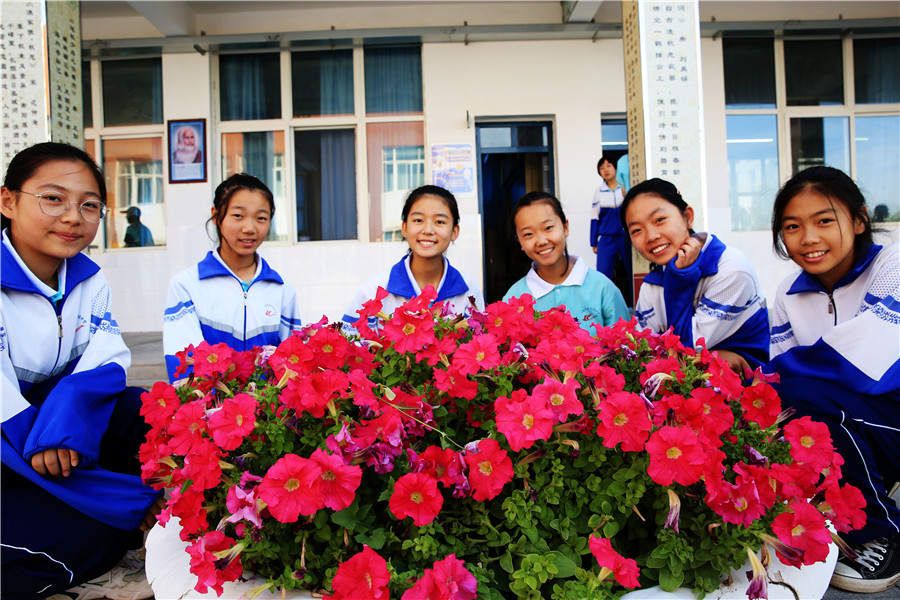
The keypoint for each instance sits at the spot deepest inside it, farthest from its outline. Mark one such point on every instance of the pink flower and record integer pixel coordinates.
(201, 465)
(187, 426)
(624, 569)
(675, 456)
(244, 503)
(804, 527)
(338, 483)
(624, 419)
(843, 505)
(233, 421)
(291, 487)
(444, 465)
(452, 580)
(810, 442)
(204, 562)
(479, 354)
(523, 419)
(212, 361)
(455, 383)
(159, 404)
(364, 576)
(416, 495)
(560, 397)
(761, 404)
(409, 331)
(489, 469)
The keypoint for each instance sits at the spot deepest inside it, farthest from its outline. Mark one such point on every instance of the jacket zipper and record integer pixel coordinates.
(832, 307)
(245, 316)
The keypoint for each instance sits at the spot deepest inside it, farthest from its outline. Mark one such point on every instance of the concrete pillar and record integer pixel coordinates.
(663, 86)
(40, 74)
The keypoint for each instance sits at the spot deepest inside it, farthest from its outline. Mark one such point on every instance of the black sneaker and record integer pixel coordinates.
(875, 569)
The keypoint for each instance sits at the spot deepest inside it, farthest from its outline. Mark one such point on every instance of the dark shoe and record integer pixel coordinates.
(875, 569)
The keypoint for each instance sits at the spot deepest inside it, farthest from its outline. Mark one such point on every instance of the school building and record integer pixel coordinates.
(342, 107)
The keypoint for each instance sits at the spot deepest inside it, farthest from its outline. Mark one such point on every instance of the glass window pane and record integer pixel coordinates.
(325, 163)
(322, 83)
(137, 214)
(86, 105)
(876, 69)
(393, 80)
(749, 66)
(820, 141)
(495, 137)
(386, 197)
(614, 133)
(261, 154)
(752, 169)
(250, 86)
(878, 165)
(814, 72)
(132, 91)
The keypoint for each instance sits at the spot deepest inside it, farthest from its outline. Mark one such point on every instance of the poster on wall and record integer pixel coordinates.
(187, 154)
(453, 167)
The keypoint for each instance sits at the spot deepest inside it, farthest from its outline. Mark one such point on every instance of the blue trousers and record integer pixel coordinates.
(865, 430)
(608, 248)
(47, 546)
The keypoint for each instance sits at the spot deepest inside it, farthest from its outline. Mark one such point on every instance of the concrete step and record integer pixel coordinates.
(148, 363)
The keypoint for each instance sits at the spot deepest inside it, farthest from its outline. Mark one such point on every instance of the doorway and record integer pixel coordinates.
(514, 158)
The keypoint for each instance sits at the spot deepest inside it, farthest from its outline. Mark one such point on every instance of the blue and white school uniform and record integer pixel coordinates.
(455, 289)
(607, 234)
(717, 298)
(64, 369)
(838, 355)
(588, 295)
(208, 302)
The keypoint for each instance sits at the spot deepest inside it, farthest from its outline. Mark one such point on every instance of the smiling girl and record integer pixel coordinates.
(555, 277)
(232, 296)
(430, 218)
(836, 347)
(696, 285)
(73, 499)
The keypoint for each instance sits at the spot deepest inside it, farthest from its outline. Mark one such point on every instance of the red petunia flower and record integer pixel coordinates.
(804, 527)
(523, 419)
(624, 569)
(455, 383)
(761, 404)
(159, 404)
(212, 361)
(479, 354)
(416, 495)
(291, 487)
(187, 426)
(843, 505)
(338, 482)
(606, 379)
(201, 465)
(410, 331)
(425, 588)
(444, 465)
(624, 419)
(560, 397)
(436, 352)
(233, 421)
(205, 565)
(675, 456)
(364, 576)
(810, 443)
(489, 469)
(724, 379)
(292, 354)
(187, 505)
(453, 580)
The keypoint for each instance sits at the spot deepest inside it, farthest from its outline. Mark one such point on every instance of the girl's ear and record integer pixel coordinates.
(7, 202)
(455, 233)
(859, 225)
(689, 217)
(566, 228)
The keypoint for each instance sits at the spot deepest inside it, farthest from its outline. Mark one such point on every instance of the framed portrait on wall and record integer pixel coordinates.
(187, 151)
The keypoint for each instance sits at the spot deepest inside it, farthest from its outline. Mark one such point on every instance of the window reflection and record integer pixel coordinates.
(814, 72)
(261, 154)
(752, 169)
(877, 158)
(325, 165)
(137, 214)
(820, 141)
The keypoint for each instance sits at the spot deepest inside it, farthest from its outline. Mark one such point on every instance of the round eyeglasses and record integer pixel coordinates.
(55, 204)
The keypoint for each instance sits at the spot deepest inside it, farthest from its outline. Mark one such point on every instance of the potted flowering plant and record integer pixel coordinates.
(508, 455)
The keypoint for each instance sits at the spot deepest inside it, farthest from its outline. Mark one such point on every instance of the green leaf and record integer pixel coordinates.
(506, 562)
(669, 581)
(375, 539)
(566, 567)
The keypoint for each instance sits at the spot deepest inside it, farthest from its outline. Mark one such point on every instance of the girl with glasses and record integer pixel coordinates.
(73, 499)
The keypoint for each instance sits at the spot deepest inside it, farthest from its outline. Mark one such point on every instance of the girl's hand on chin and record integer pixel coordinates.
(688, 253)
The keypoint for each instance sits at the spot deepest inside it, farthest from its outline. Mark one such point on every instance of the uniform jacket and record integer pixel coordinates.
(605, 212)
(588, 295)
(454, 288)
(850, 336)
(64, 363)
(717, 297)
(206, 302)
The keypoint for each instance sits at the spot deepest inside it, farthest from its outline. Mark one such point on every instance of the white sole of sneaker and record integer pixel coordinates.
(864, 586)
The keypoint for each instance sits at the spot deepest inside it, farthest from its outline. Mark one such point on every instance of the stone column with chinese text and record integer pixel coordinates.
(40, 75)
(663, 87)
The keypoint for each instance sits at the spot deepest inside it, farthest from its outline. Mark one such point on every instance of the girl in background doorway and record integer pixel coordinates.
(73, 499)
(555, 277)
(696, 285)
(430, 222)
(836, 347)
(232, 296)
(608, 239)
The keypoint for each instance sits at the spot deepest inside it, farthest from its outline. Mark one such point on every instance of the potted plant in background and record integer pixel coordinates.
(508, 455)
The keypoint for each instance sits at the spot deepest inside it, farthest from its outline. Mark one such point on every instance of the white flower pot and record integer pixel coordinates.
(785, 583)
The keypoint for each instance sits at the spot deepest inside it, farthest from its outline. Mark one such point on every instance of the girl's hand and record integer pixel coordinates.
(688, 253)
(595, 249)
(150, 517)
(737, 362)
(55, 461)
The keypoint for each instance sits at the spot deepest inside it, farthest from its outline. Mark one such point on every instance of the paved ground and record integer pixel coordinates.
(148, 367)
